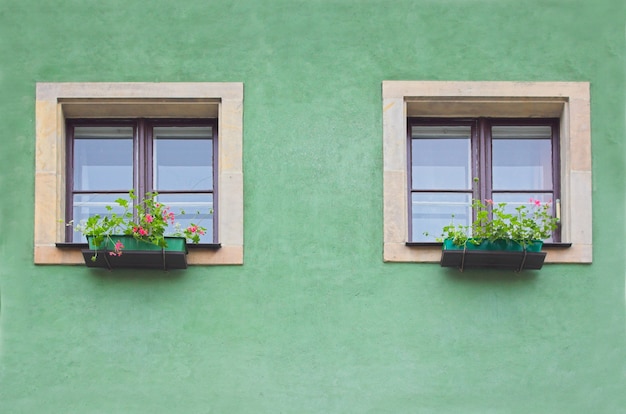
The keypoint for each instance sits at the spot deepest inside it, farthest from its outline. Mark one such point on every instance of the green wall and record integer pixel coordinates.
(314, 321)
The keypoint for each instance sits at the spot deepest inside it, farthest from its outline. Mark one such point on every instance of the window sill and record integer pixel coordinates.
(210, 246)
(429, 244)
(430, 252)
(200, 254)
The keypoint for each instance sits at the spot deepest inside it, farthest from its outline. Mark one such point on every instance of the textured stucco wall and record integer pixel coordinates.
(314, 321)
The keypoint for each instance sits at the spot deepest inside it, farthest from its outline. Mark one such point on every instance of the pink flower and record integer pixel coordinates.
(537, 202)
(489, 201)
(149, 218)
(140, 230)
(118, 249)
(168, 215)
(192, 229)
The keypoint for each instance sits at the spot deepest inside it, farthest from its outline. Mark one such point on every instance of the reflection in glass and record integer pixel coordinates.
(441, 157)
(515, 200)
(522, 157)
(432, 211)
(191, 208)
(183, 158)
(103, 158)
(86, 205)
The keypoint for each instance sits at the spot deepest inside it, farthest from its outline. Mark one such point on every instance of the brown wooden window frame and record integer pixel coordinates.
(142, 162)
(481, 162)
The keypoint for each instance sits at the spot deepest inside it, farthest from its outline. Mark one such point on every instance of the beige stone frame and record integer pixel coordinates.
(568, 101)
(57, 101)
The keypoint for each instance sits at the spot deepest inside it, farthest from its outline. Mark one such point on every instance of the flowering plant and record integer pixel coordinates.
(524, 226)
(148, 221)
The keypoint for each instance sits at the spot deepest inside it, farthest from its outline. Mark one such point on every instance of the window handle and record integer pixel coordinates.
(557, 209)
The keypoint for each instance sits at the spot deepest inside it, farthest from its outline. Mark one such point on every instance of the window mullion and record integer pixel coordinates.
(141, 159)
(479, 156)
(485, 178)
(149, 154)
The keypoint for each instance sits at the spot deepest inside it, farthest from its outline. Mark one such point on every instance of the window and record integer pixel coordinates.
(473, 117)
(175, 158)
(161, 116)
(453, 161)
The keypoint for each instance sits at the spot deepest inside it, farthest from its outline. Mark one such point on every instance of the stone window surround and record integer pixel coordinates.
(57, 101)
(568, 101)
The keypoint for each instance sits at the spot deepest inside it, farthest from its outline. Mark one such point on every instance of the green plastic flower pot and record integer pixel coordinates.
(177, 244)
(495, 245)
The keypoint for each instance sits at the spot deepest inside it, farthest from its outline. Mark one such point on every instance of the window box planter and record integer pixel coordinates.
(500, 254)
(136, 254)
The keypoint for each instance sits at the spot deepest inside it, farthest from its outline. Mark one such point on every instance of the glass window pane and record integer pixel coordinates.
(86, 205)
(432, 211)
(522, 157)
(197, 208)
(103, 158)
(441, 157)
(183, 158)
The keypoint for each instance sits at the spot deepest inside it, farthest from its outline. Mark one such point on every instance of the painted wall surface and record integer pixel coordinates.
(314, 321)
